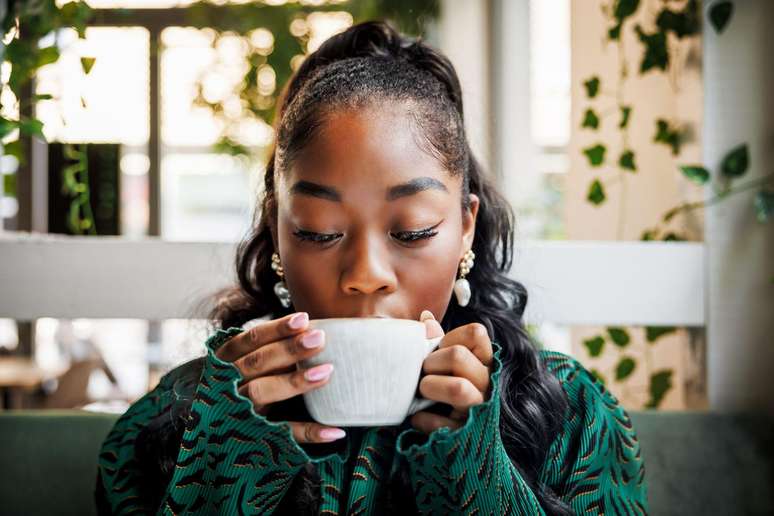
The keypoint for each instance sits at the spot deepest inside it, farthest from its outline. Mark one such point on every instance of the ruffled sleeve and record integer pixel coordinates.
(231, 460)
(594, 464)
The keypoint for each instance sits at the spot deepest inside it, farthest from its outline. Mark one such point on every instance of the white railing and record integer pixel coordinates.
(569, 283)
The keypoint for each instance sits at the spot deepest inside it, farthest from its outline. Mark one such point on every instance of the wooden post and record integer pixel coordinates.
(739, 108)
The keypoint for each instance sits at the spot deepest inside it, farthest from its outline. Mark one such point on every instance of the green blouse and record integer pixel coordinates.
(234, 461)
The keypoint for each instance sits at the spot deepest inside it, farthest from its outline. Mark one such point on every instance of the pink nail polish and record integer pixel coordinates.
(313, 339)
(331, 434)
(298, 321)
(318, 373)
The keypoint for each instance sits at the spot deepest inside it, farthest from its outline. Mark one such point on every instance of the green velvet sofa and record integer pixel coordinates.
(696, 463)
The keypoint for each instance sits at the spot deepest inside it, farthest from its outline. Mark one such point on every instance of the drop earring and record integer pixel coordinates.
(280, 288)
(462, 286)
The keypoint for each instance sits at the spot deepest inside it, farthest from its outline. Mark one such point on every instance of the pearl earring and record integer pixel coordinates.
(280, 288)
(462, 286)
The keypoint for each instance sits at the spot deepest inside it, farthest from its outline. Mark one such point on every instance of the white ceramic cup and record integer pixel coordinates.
(376, 367)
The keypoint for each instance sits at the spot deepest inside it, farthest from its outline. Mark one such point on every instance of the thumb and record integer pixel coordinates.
(432, 327)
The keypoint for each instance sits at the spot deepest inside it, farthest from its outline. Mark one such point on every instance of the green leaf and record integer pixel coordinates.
(32, 127)
(735, 163)
(43, 96)
(671, 213)
(622, 9)
(673, 237)
(7, 126)
(590, 119)
(652, 333)
(683, 23)
(48, 55)
(87, 63)
(696, 173)
(625, 112)
(764, 205)
(596, 154)
(624, 368)
(592, 87)
(73, 219)
(14, 148)
(720, 14)
(648, 234)
(626, 161)
(656, 53)
(598, 376)
(660, 383)
(668, 135)
(596, 193)
(615, 32)
(619, 336)
(9, 185)
(594, 345)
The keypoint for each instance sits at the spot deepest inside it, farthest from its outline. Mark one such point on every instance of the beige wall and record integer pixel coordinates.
(635, 201)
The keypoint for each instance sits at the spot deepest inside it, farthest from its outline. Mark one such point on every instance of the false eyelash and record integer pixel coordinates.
(315, 237)
(411, 236)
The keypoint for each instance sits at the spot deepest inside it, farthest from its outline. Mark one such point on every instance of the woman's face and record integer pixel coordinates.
(386, 216)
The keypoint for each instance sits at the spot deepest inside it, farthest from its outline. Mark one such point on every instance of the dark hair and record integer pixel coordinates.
(368, 64)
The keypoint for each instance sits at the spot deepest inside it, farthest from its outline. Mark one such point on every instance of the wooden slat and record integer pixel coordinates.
(572, 283)
(626, 283)
(108, 277)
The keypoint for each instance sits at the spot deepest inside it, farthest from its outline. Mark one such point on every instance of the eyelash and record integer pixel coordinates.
(408, 236)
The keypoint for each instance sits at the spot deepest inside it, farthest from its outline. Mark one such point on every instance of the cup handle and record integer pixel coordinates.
(421, 403)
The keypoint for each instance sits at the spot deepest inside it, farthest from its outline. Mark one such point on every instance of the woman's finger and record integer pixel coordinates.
(262, 334)
(270, 389)
(280, 356)
(427, 422)
(474, 337)
(433, 328)
(458, 361)
(308, 432)
(460, 393)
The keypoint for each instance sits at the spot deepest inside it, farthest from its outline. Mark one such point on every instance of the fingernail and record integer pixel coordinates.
(426, 314)
(318, 373)
(331, 434)
(313, 339)
(298, 321)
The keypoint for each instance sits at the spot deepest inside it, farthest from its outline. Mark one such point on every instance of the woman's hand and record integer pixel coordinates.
(457, 373)
(266, 356)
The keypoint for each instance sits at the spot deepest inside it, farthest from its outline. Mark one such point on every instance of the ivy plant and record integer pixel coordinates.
(669, 24)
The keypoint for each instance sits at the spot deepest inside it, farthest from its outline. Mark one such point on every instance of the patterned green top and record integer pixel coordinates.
(234, 461)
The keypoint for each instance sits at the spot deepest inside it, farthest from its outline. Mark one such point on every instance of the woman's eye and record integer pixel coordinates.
(403, 236)
(412, 236)
(318, 238)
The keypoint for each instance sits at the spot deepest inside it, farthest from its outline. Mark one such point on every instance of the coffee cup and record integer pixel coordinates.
(376, 368)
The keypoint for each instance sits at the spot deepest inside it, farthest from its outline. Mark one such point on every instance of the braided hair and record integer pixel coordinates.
(364, 66)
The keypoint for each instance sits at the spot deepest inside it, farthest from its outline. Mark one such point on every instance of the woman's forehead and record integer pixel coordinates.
(378, 145)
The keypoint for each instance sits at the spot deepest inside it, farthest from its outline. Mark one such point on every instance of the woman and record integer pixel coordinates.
(373, 206)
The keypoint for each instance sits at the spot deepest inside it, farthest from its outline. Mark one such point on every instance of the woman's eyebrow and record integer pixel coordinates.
(416, 185)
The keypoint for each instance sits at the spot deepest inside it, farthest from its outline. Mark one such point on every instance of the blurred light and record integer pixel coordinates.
(8, 164)
(9, 336)
(112, 92)
(262, 40)
(296, 61)
(324, 25)
(267, 80)
(214, 87)
(232, 106)
(9, 207)
(135, 164)
(299, 27)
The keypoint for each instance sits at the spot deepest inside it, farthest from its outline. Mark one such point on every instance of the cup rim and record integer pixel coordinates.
(381, 319)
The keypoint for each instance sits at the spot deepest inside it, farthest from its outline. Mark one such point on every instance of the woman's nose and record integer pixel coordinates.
(367, 269)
